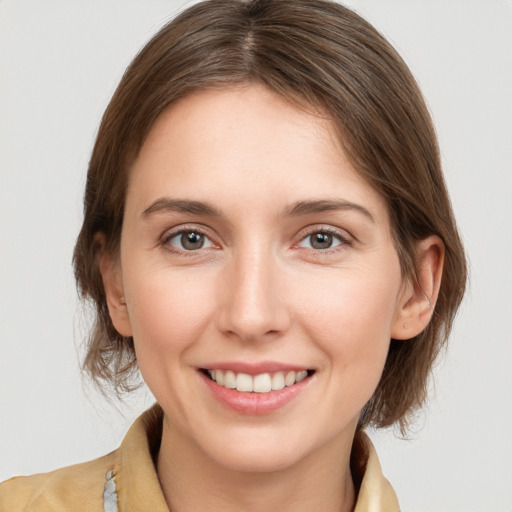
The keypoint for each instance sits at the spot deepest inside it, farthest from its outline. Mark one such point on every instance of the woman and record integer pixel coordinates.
(268, 238)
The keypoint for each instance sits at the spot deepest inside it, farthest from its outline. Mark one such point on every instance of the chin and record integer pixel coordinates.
(257, 460)
(260, 450)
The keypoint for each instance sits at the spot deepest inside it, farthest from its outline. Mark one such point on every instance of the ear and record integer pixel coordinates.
(419, 296)
(110, 269)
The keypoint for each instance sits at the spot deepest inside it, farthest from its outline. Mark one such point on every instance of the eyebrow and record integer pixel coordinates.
(165, 204)
(307, 207)
(296, 209)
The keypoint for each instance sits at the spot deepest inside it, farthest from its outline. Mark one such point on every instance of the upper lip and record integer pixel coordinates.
(255, 368)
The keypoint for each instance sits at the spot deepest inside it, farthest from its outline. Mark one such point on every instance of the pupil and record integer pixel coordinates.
(321, 240)
(192, 240)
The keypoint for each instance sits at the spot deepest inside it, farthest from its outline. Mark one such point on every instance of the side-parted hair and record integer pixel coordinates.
(321, 56)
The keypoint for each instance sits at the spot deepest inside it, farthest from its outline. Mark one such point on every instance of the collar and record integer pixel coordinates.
(138, 487)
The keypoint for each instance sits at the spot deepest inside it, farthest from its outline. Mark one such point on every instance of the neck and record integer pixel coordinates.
(192, 481)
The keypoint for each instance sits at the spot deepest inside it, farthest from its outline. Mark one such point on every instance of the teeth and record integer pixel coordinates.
(230, 380)
(278, 381)
(301, 376)
(262, 383)
(244, 382)
(289, 379)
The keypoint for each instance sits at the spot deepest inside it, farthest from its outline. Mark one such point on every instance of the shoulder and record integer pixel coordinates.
(73, 488)
(80, 488)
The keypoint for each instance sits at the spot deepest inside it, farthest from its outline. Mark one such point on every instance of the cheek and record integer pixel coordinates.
(167, 312)
(350, 317)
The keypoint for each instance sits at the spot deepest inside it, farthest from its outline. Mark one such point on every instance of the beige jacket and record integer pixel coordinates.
(81, 488)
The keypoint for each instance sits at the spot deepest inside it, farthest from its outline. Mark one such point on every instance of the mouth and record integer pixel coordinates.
(261, 383)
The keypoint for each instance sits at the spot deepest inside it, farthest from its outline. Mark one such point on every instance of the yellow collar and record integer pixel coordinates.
(137, 481)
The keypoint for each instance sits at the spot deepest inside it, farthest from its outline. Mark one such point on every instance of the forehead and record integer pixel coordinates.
(241, 142)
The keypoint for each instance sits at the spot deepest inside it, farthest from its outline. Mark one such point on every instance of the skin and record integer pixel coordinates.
(258, 290)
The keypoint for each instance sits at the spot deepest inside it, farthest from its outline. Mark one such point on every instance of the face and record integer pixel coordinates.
(253, 256)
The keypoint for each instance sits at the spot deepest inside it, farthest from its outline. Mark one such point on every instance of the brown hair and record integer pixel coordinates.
(317, 54)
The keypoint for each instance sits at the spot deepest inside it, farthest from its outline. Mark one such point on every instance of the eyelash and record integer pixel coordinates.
(343, 238)
(167, 237)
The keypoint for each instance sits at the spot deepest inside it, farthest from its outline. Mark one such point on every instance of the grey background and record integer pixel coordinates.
(59, 64)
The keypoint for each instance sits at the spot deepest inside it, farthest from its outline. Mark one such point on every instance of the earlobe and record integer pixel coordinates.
(419, 297)
(111, 274)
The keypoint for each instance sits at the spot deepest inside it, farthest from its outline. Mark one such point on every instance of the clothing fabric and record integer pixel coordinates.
(80, 488)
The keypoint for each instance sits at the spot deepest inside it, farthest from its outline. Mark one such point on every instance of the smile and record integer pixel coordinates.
(261, 383)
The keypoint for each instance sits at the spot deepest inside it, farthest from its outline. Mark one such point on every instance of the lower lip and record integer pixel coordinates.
(255, 403)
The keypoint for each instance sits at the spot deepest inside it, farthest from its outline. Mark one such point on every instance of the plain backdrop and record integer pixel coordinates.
(59, 64)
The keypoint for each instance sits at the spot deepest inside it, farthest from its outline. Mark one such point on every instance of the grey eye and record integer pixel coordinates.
(190, 241)
(320, 240)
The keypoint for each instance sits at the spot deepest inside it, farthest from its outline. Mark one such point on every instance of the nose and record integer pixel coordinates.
(253, 298)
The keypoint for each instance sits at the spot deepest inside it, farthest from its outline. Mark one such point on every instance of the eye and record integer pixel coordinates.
(321, 240)
(190, 240)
